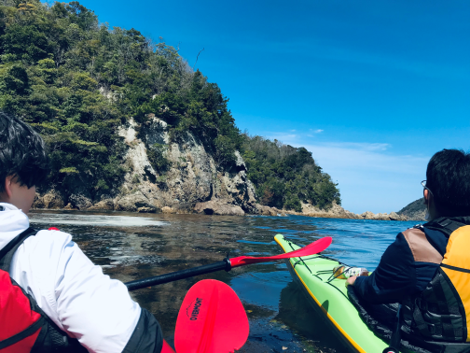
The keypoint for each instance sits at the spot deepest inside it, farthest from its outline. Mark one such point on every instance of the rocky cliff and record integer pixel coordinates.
(190, 183)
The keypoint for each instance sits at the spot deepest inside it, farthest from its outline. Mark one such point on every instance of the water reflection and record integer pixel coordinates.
(132, 246)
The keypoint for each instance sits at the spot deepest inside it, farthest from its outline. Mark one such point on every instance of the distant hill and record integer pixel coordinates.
(415, 210)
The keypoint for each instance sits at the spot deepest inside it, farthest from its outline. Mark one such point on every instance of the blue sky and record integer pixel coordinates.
(371, 88)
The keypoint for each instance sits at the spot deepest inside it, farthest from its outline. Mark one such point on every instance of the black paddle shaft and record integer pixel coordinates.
(174, 276)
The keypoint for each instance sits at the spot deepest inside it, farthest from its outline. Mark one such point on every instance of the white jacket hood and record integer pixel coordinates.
(12, 222)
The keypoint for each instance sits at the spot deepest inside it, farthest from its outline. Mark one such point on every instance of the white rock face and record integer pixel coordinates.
(191, 178)
(137, 154)
(192, 183)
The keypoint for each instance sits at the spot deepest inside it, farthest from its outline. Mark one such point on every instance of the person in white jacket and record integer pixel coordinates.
(81, 303)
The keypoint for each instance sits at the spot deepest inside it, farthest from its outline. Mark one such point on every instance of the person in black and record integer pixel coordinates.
(411, 271)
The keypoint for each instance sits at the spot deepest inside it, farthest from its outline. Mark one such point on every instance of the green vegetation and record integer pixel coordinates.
(284, 176)
(157, 158)
(77, 81)
(415, 210)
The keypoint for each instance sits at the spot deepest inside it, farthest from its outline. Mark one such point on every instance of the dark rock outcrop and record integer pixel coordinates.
(51, 200)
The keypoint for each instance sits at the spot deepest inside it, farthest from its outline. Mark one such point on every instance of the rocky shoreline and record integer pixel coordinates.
(192, 184)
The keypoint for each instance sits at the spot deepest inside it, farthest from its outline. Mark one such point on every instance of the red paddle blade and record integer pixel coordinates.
(310, 249)
(211, 320)
(166, 348)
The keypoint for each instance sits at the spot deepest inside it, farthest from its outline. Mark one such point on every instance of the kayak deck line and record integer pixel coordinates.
(318, 283)
(315, 257)
(349, 338)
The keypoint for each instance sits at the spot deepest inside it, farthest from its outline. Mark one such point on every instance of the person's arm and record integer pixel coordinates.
(81, 300)
(393, 279)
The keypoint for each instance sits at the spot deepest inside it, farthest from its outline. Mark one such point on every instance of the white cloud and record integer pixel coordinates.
(370, 179)
(363, 156)
(370, 176)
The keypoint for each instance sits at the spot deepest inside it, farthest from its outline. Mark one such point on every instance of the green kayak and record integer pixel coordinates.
(315, 274)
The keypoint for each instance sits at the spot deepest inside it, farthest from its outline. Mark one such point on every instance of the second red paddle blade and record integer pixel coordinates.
(211, 320)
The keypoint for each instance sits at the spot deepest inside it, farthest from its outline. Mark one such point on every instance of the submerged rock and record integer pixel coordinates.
(266, 210)
(147, 209)
(105, 205)
(80, 201)
(219, 207)
(132, 202)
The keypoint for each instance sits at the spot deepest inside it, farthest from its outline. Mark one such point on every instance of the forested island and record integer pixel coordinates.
(129, 125)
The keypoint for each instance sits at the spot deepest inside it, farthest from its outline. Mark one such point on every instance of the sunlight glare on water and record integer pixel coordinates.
(94, 220)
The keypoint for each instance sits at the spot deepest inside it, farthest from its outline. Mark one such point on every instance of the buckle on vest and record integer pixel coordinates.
(444, 223)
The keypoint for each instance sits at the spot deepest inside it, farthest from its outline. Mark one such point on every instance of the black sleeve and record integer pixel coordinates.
(394, 278)
(147, 336)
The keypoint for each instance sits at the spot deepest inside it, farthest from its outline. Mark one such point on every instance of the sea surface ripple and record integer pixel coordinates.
(130, 246)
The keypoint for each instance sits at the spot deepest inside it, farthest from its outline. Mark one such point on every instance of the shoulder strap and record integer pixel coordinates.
(6, 254)
(445, 225)
(421, 249)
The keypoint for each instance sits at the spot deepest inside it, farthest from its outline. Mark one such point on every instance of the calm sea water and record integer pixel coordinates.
(132, 246)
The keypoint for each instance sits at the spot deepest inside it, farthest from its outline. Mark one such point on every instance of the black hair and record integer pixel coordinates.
(22, 153)
(448, 178)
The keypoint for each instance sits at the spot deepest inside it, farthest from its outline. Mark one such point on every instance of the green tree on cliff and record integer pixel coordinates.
(77, 81)
(285, 176)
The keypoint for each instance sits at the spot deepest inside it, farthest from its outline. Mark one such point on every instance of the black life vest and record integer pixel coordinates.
(442, 311)
(436, 320)
(24, 327)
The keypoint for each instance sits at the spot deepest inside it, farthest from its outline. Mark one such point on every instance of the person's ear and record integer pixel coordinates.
(8, 186)
(426, 196)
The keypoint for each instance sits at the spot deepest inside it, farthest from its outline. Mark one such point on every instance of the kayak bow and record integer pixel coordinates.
(315, 275)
